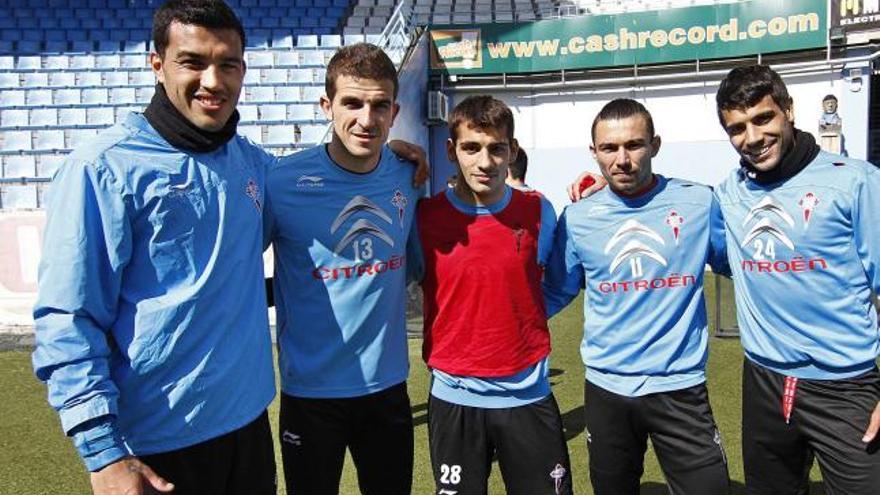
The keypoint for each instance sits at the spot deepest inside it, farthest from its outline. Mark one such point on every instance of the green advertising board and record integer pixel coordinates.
(692, 33)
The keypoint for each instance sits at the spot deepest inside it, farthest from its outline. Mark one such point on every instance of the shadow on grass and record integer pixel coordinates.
(736, 488)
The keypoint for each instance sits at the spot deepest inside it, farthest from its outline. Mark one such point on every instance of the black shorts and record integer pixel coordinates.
(682, 431)
(376, 428)
(242, 461)
(827, 420)
(527, 440)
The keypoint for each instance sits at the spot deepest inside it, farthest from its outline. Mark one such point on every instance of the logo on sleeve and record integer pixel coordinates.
(253, 192)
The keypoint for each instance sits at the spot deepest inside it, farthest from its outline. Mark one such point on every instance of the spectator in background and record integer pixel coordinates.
(516, 172)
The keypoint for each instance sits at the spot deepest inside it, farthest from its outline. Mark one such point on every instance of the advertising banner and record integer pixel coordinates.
(855, 15)
(705, 32)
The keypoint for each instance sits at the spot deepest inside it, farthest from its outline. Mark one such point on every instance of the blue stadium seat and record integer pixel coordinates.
(77, 137)
(331, 41)
(18, 196)
(111, 23)
(82, 46)
(17, 140)
(252, 76)
(14, 118)
(312, 57)
(288, 93)
(52, 139)
(275, 76)
(7, 23)
(312, 134)
(10, 34)
(259, 38)
(309, 22)
(270, 22)
(28, 46)
(284, 135)
(89, 24)
(315, 12)
(95, 96)
(75, 33)
(142, 77)
(123, 95)
(36, 97)
(107, 61)
(54, 35)
(259, 58)
(44, 117)
(108, 46)
(89, 79)
(312, 94)
(55, 47)
(135, 46)
(273, 112)
(6, 46)
(30, 24)
(84, 13)
(28, 62)
(116, 78)
(119, 34)
(131, 23)
(57, 62)
(302, 75)
(282, 38)
(11, 97)
(100, 115)
(134, 61)
(301, 112)
(261, 94)
(71, 116)
(286, 58)
(351, 39)
(307, 41)
(248, 113)
(48, 164)
(19, 166)
(144, 95)
(97, 4)
(31, 35)
(62, 79)
(327, 22)
(252, 132)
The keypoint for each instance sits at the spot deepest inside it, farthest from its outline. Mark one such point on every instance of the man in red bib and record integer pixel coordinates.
(486, 338)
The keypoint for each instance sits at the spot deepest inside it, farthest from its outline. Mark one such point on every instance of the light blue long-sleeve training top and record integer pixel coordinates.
(641, 261)
(805, 256)
(151, 323)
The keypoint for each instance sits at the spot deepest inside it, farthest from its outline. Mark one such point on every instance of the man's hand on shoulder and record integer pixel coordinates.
(585, 186)
(415, 154)
(128, 476)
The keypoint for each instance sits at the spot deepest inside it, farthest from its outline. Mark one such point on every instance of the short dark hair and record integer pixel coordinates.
(829, 98)
(622, 108)
(211, 14)
(744, 87)
(518, 167)
(361, 61)
(481, 112)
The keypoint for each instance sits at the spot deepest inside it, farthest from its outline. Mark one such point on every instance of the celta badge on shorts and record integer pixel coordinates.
(808, 203)
(399, 201)
(253, 191)
(674, 220)
(558, 474)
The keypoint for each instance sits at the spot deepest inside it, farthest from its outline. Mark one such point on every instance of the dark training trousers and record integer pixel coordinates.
(827, 421)
(682, 431)
(377, 428)
(528, 441)
(239, 462)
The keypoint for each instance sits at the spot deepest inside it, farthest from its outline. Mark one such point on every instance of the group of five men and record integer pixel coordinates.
(152, 330)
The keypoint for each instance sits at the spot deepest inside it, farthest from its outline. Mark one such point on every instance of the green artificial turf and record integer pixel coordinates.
(36, 459)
